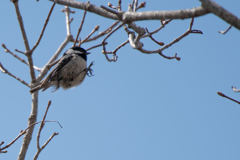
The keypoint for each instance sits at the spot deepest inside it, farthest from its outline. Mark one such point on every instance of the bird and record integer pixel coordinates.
(70, 71)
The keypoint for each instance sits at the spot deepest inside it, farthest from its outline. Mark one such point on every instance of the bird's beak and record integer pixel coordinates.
(87, 53)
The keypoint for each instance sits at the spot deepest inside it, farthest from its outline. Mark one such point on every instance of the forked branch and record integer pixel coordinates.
(22, 132)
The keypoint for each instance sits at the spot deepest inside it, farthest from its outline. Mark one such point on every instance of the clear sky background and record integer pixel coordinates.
(142, 107)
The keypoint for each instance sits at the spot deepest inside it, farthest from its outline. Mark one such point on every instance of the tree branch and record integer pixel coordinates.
(19, 17)
(39, 133)
(45, 24)
(235, 89)
(224, 32)
(10, 74)
(86, 6)
(223, 95)
(109, 29)
(22, 60)
(68, 21)
(128, 17)
(162, 15)
(221, 12)
(20, 134)
(80, 28)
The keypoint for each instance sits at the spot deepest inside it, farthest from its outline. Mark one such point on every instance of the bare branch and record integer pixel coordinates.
(182, 36)
(42, 125)
(80, 28)
(235, 89)
(68, 21)
(221, 12)
(2, 151)
(20, 51)
(120, 46)
(162, 15)
(109, 29)
(141, 5)
(163, 24)
(39, 133)
(111, 6)
(154, 40)
(223, 32)
(19, 17)
(105, 43)
(167, 57)
(223, 95)
(22, 60)
(93, 31)
(118, 14)
(135, 5)
(38, 152)
(22, 133)
(87, 6)
(10, 74)
(104, 48)
(174, 41)
(28, 52)
(128, 17)
(45, 24)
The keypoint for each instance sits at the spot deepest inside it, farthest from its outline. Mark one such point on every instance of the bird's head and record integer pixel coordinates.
(79, 51)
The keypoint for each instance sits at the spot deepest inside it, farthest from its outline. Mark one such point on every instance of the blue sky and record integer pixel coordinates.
(140, 107)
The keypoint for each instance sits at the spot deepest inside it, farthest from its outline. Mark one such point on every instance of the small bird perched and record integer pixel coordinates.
(69, 72)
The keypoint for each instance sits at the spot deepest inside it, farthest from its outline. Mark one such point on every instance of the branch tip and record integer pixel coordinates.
(196, 31)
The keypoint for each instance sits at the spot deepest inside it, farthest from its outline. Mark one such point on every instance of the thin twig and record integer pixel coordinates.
(68, 20)
(104, 48)
(223, 95)
(109, 29)
(23, 132)
(141, 5)
(10, 74)
(167, 57)
(45, 24)
(39, 133)
(235, 89)
(44, 145)
(93, 31)
(20, 51)
(80, 28)
(182, 36)
(111, 6)
(105, 43)
(42, 125)
(24, 35)
(120, 46)
(174, 41)
(223, 32)
(22, 60)
(154, 40)
(135, 5)
(111, 10)
(34, 108)
(119, 5)
(26, 43)
(163, 24)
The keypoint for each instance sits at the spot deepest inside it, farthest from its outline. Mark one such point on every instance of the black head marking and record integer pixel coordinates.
(77, 50)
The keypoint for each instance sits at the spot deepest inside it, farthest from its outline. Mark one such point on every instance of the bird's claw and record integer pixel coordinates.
(89, 70)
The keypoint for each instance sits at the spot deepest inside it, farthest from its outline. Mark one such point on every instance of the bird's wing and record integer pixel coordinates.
(63, 61)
